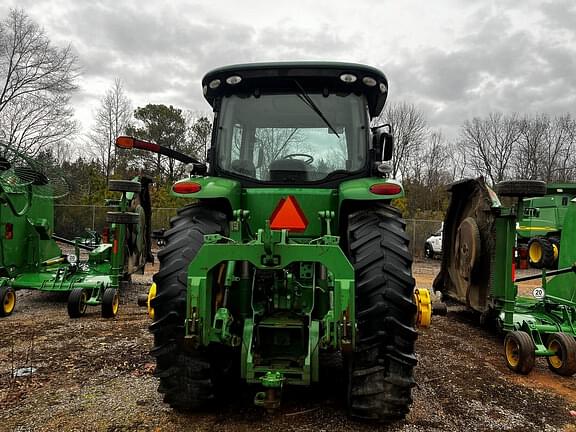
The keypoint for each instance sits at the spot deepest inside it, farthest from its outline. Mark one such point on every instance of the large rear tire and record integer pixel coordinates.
(381, 370)
(185, 372)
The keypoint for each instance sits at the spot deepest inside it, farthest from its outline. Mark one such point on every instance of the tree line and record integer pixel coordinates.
(38, 79)
(497, 147)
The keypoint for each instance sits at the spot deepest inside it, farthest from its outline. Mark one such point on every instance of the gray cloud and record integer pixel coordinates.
(509, 56)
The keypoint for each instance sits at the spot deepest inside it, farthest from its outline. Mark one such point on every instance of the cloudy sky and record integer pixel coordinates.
(455, 59)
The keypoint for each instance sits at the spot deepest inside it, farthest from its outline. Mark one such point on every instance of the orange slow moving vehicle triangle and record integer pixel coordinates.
(288, 215)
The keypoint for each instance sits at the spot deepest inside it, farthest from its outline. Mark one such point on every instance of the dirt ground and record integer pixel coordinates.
(94, 374)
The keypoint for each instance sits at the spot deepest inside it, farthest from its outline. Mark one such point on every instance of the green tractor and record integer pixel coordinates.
(31, 259)
(290, 246)
(540, 224)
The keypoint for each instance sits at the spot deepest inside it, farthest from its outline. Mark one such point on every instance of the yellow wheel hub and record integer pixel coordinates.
(535, 252)
(424, 307)
(151, 295)
(9, 302)
(512, 353)
(555, 360)
(556, 252)
(115, 304)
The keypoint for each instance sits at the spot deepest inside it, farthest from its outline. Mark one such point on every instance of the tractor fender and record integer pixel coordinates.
(363, 190)
(215, 188)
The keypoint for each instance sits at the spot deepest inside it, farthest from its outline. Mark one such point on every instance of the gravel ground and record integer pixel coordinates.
(94, 374)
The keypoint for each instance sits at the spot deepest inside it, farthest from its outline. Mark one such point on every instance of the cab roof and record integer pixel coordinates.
(314, 77)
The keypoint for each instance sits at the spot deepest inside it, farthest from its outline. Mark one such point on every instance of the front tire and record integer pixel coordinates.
(186, 377)
(381, 369)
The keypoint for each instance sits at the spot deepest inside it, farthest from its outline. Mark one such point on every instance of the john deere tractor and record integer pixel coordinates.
(290, 246)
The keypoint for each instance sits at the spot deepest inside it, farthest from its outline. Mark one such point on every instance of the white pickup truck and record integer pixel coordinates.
(433, 245)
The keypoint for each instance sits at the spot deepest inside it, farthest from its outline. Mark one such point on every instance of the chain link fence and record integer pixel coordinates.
(74, 220)
(418, 231)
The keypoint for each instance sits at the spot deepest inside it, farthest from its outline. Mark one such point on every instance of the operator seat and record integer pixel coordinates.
(289, 171)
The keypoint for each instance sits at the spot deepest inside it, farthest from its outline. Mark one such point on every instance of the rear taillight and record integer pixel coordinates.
(9, 231)
(385, 189)
(186, 187)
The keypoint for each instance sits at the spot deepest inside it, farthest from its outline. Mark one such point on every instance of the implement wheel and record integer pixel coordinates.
(77, 303)
(555, 242)
(520, 352)
(7, 301)
(110, 303)
(124, 186)
(540, 253)
(564, 362)
(381, 367)
(187, 374)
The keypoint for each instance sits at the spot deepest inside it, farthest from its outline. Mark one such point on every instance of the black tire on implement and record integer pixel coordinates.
(124, 186)
(186, 376)
(546, 255)
(110, 303)
(381, 371)
(77, 303)
(521, 188)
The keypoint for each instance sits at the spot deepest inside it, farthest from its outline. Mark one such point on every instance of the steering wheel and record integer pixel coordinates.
(308, 161)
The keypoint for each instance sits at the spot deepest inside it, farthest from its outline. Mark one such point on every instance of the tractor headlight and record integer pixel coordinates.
(214, 84)
(348, 78)
(72, 259)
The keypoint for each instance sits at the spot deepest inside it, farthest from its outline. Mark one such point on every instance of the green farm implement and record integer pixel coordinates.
(30, 257)
(291, 247)
(540, 224)
(478, 270)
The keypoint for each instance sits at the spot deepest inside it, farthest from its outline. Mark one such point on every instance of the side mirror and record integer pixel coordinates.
(383, 144)
(388, 146)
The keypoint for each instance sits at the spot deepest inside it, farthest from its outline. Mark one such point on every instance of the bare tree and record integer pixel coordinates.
(490, 143)
(559, 147)
(62, 151)
(428, 175)
(528, 156)
(30, 124)
(111, 120)
(458, 161)
(409, 129)
(198, 134)
(36, 80)
(278, 142)
(436, 161)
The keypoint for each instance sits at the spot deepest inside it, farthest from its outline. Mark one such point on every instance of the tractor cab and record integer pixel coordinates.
(298, 123)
